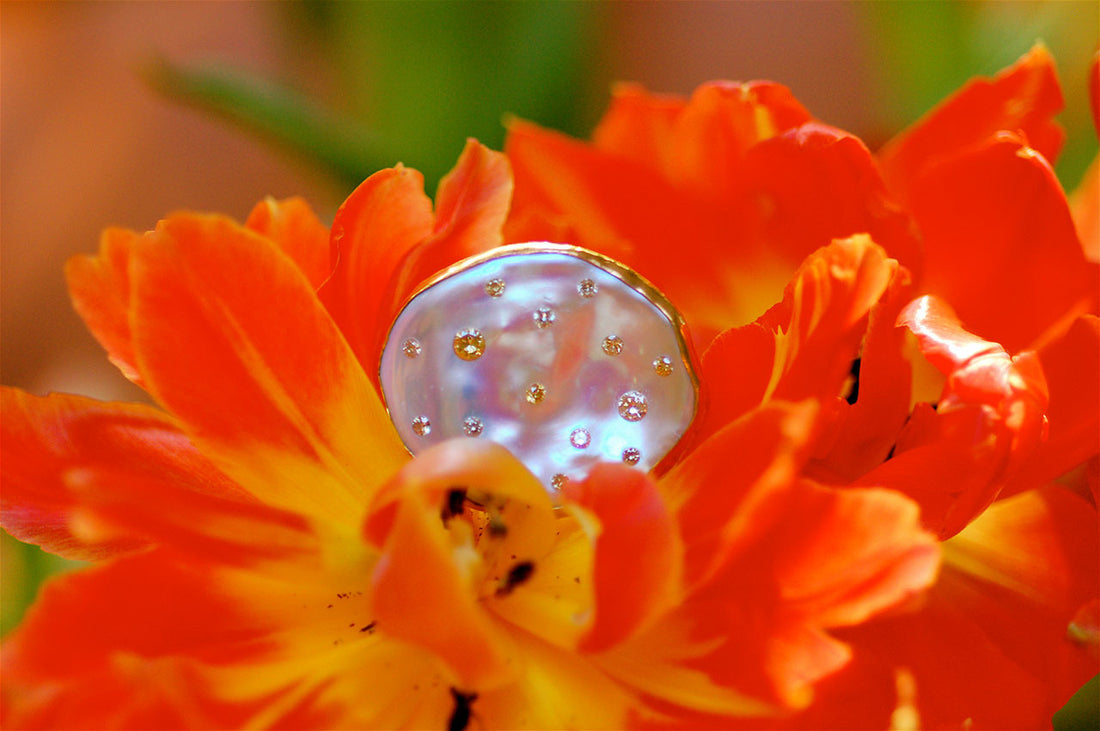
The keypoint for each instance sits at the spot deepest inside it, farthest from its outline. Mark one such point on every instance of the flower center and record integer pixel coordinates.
(563, 356)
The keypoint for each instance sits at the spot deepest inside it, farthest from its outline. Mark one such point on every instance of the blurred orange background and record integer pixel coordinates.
(87, 144)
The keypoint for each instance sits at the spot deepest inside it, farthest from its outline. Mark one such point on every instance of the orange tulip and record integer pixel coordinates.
(268, 555)
(940, 305)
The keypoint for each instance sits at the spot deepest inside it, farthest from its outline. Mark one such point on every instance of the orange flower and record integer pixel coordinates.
(988, 391)
(740, 176)
(269, 556)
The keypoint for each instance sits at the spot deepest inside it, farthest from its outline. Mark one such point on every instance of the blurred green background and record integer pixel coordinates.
(413, 80)
(116, 114)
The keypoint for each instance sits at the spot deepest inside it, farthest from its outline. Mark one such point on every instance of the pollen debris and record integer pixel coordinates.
(460, 716)
(497, 527)
(456, 500)
(518, 574)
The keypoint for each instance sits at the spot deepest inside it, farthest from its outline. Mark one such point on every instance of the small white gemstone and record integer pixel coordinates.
(633, 406)
(411, 347)
(494, 287)
(472, 426)
(631, 455)
(422, 426)
(587, 288)
(544, 317)
(580, 438)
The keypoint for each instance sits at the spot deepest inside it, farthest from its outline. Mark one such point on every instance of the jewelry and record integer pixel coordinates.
(563, 356)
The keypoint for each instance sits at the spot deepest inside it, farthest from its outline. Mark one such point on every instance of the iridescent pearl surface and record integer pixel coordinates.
(532, 361)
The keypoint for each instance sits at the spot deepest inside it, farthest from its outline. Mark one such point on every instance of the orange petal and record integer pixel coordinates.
(205, 527)
(605, 203)
(562, 180)
(1085, 204)
(715, 485)
(953, 476)
(639, 125)
(990, 642)
(667, 663)
(1070, 365)
(866, 431)
(843, 555)
(798, 191)
(232, 339)
(699, 143)
(770, 661)
(420, 595)
(816, 558)
(471, 206)
(385, 217)
(954, 460)
(87, 480)
(48, 443)
(1024, 97)
(817, 183)
(387, 242)
(1008, 277)
(147, 605)
(425, 589)
(639, 556)
(293, 226)
(559, 690)
(555, 602)
(100, 290)
(127, 693)
(475, 466)
(804, 346)
(123, 645)
(977, 370)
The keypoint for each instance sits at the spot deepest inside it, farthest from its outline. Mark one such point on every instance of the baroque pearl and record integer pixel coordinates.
(548, 392)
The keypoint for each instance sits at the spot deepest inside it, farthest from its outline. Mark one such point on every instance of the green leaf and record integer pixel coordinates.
(279, 114)
(1083, 709)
